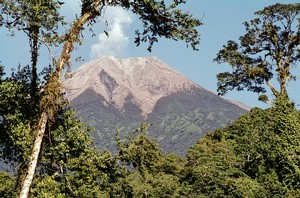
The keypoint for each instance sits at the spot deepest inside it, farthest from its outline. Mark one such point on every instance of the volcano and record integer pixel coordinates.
(113, 94)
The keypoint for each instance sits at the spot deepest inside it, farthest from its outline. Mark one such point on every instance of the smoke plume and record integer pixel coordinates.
(113, 40)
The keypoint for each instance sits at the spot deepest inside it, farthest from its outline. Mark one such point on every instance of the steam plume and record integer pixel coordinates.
(113, 41)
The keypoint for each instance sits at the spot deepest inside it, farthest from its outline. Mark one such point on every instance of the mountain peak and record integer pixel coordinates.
(118, 94)
(130, 64)
(143, 80)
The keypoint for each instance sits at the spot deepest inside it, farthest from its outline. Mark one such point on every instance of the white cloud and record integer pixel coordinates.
(114, 41)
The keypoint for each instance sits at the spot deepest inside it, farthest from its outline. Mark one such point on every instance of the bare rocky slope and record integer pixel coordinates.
(111, 94)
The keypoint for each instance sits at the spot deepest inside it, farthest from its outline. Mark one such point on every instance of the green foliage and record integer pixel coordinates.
(167, 21)
(39, 20)
(149, 172)
(159, 20)
(47, 187)
(66, 151)
(68, 166)
(138, 151)
(256, 156)
(7, 185)
(29, 16)
(266, 141)
(90, 173)
(150, 185)
(69, 137)
(2, 73)
(14, 124)
(268, 50)
(213, 170)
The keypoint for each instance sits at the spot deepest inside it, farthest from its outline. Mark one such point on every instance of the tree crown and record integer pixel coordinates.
(270, 48)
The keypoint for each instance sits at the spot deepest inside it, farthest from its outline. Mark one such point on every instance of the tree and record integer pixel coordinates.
(158, 19)
(269, 49)
(256, 156)
(16, 118)
(213, 170)
(266, 142)
(7, 185)
(68, 165)
(147, 171)
(39, 20)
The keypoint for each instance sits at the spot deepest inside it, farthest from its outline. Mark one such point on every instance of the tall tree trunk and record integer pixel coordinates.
(34, 45)
(53, 90)
(34, 156)
(34, 59)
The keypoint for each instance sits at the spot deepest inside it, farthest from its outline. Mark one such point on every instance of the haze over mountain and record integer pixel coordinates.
(111, 93)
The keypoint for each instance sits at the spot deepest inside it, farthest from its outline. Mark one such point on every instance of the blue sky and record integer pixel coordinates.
(222, 22)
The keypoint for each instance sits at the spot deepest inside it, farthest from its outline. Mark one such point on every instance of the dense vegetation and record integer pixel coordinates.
(256, 156)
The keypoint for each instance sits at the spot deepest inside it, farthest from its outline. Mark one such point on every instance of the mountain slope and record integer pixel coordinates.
(146, 79)
(111, 94)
